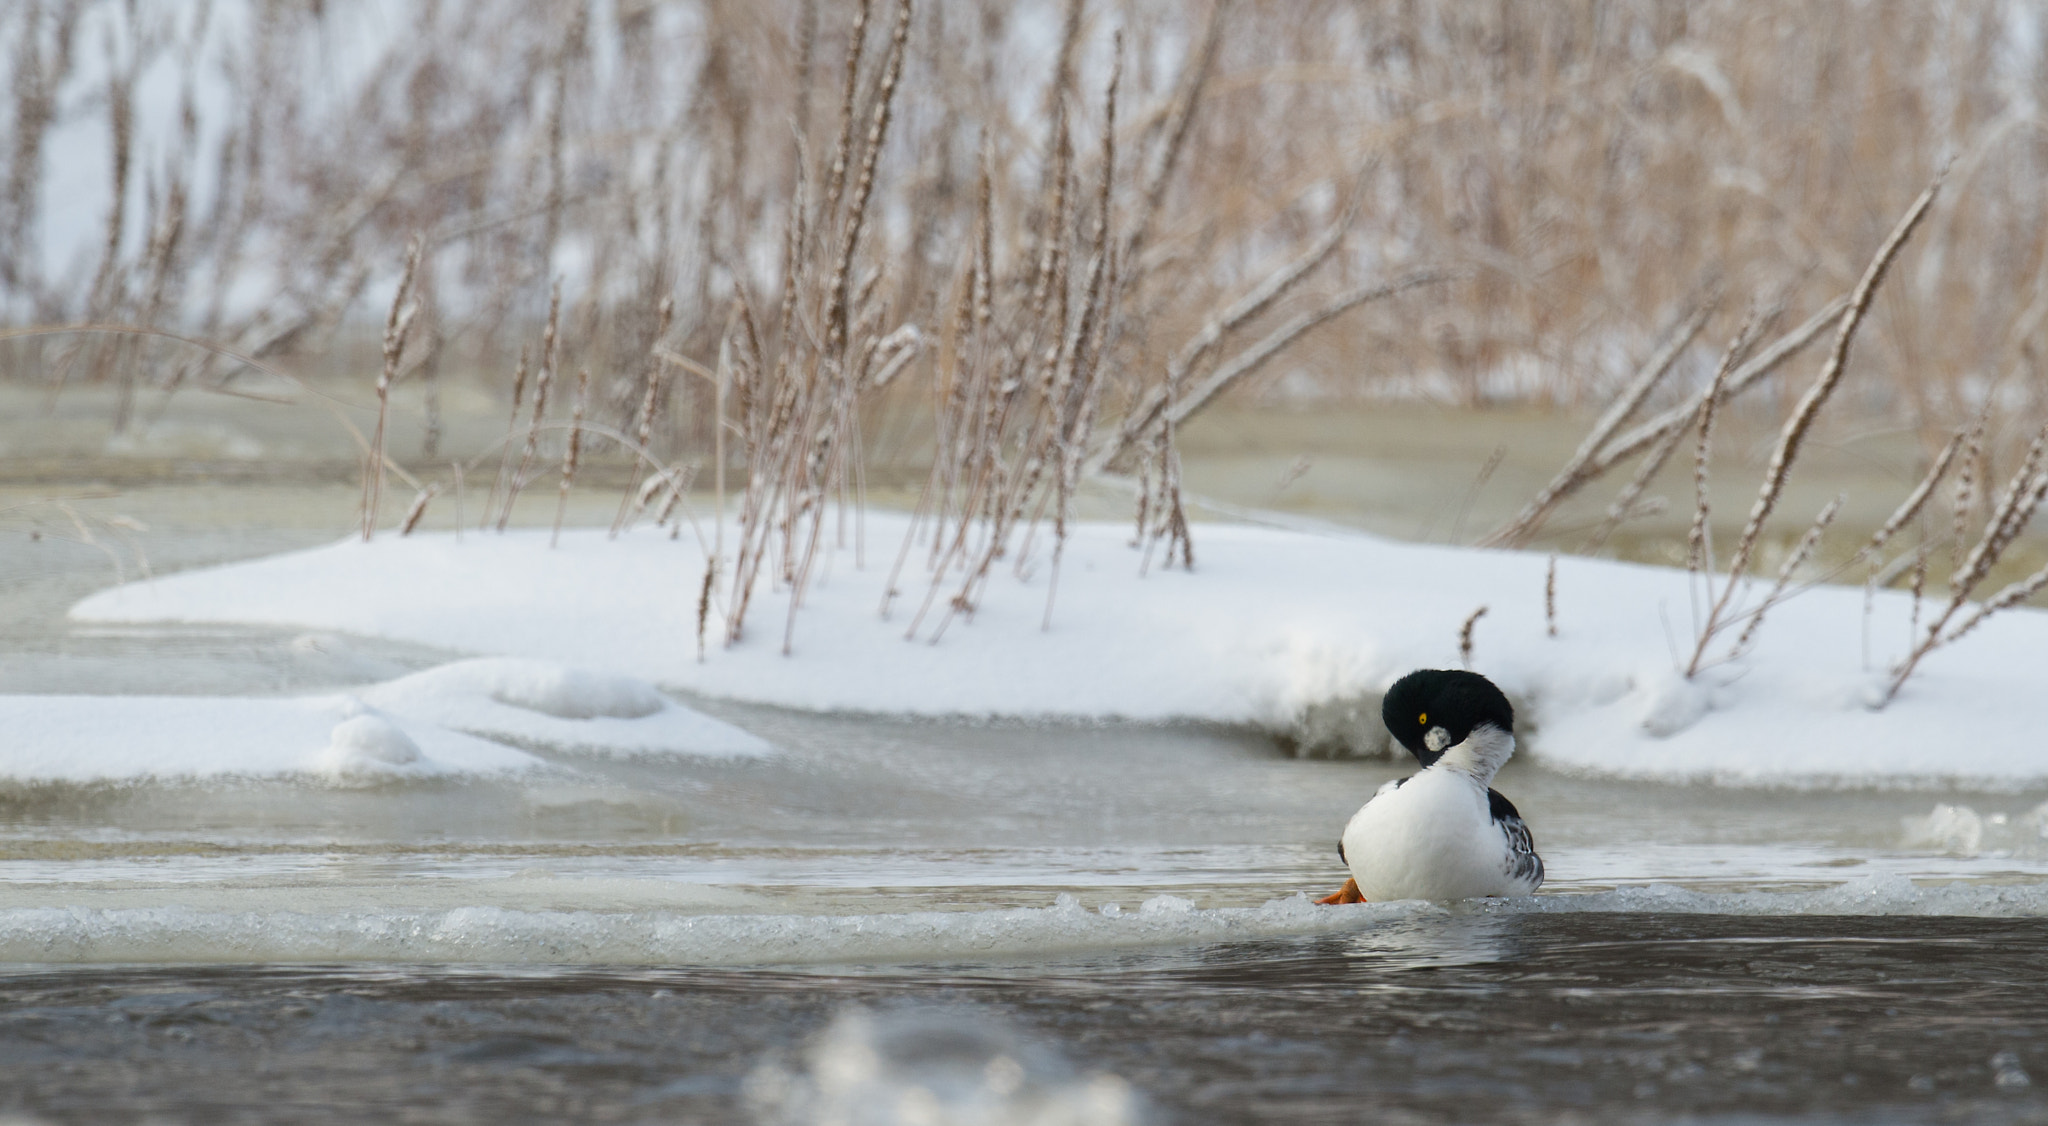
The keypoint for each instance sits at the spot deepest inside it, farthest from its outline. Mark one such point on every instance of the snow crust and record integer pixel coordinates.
(290, 933)
(450, 720)
(1272, 625)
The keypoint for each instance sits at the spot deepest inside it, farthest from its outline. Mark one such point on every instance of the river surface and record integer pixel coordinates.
(926, 921)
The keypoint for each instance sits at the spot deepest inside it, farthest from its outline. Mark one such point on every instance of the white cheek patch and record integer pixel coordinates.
(1437, 739)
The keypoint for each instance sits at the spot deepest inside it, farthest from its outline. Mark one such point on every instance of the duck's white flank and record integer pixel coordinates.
(1433, 836)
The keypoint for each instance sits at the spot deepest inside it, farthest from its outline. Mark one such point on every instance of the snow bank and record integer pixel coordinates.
(296, 932)
(560, 706)
(1273, 626)
(102, 738)
(448, 720)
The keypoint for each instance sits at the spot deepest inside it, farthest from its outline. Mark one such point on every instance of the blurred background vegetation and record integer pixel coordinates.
(1572, 181)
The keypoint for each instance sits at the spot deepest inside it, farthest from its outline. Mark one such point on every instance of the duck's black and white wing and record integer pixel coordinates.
(1523, 865)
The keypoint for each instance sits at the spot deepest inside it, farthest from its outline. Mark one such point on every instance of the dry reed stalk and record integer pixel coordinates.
(2015, 508)
(830, 413)
(1079, 385)
(1550, 597)
(1660, 428)
(704, 603)
(120, 96)
(1796, 428)
(542, 380)
(650, 401)
(1487, 469)
(569, 456)
(835, 182)
(396, 327)
(1027, 384)
(37, 77)
(511, 430)
(1179, 122)
(1578, 469)
(1703, 408)
(801, 442)
(419, 509)
(1465, 637)
(1802, 552)
(1146, 416)
(1890, 572)
(1966, 479)
(1919, 586)
(167, 230)
(2014, 594)
(969, 433)
(1883, 576)
(427, 367)
(1915, 500)
(1699, 540)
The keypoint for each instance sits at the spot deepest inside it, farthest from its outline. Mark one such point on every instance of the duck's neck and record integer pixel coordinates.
(1480, 756)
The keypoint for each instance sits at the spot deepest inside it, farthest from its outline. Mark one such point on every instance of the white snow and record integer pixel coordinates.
(1271, 623)
(99, 738)
(561, 706)
(446, 720)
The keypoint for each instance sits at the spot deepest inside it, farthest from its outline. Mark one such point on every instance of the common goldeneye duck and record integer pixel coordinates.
(1442, 832)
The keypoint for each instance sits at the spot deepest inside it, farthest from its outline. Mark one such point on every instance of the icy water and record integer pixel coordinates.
(921, 921)
(1612, 1017)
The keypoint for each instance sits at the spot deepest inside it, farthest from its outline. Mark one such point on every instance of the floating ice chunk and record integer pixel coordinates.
(555, 705)
(1954, 829)
(1165, 905)
(936, 1066)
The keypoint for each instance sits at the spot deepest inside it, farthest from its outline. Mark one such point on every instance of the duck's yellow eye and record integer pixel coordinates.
(1423, 719)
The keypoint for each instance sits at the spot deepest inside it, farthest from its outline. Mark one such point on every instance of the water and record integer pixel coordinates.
(909, 920)
(1606, 1017)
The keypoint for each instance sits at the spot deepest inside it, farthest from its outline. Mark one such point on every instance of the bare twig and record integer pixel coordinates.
(1465, 637)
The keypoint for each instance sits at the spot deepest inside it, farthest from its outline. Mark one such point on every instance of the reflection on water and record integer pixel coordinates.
(1431, 1018)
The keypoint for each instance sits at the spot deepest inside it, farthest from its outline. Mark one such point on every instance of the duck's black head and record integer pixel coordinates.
(1452, 700)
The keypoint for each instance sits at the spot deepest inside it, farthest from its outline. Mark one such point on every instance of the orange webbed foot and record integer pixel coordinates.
(1349, 893)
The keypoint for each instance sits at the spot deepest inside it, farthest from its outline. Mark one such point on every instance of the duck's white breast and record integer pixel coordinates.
(1432, 838)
